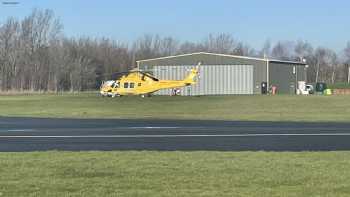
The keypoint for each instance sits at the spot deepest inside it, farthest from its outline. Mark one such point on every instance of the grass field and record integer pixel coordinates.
(175, 174)
(128, 173)
(261, 108)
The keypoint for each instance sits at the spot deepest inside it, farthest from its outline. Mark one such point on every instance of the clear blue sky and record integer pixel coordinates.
(322, 23)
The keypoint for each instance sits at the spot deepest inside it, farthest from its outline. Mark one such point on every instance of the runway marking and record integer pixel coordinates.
(174, 136)
(133, 128)
(151, 127)
(19, 130)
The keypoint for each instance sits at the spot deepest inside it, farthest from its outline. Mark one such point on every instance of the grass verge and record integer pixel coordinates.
(260, 108)
(175, 174)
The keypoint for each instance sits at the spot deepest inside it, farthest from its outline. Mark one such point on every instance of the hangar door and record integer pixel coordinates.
(212, 79)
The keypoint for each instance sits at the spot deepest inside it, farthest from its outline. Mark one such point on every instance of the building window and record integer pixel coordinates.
(132, 85)
(139, 84)
(126, 85)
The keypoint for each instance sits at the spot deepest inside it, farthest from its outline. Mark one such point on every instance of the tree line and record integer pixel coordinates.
(35, 55)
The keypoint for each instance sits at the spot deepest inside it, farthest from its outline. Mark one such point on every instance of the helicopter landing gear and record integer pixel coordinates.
(116, 95)
(145, 95)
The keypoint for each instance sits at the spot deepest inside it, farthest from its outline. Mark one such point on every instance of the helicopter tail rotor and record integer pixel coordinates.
(194, 72)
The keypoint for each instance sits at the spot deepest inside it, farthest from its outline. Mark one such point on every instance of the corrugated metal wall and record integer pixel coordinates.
(282, 77)
(212, 79)
(280, 72)
(285, 76)
(259, 73)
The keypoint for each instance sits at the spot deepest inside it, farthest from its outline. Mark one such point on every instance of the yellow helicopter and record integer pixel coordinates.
(136, 82)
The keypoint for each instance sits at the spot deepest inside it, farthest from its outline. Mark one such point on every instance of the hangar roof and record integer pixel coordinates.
(223, 55)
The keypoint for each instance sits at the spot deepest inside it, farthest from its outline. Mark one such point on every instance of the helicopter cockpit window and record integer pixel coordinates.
(132, 85)
(126, 85)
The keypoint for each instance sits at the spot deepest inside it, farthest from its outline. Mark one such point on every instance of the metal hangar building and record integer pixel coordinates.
(221, 74)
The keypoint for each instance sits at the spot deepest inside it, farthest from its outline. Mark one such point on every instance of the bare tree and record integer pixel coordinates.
(35, 55)
(347, 61)
(326, 64)
(347, 51)
(147, 46)
(8, 52)
(303, 50)
(266, 49)
(168, 46)
(191, 47)
(282, 50)
(222, 43)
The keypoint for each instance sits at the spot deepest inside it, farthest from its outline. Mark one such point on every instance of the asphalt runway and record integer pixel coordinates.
(41, 134)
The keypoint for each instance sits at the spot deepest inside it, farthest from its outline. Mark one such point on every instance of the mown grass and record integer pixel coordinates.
(131, 173)
(175, 174)
(261, 108)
